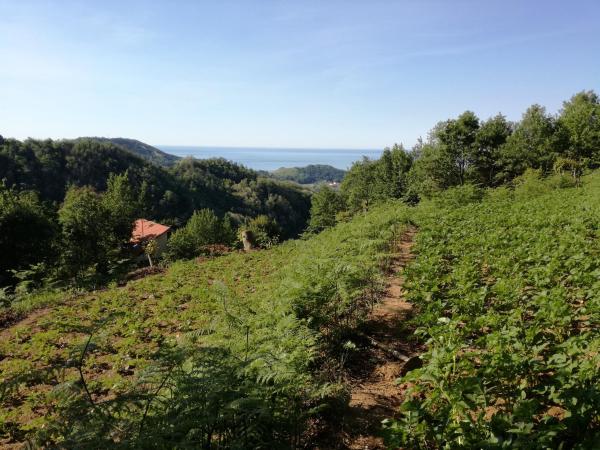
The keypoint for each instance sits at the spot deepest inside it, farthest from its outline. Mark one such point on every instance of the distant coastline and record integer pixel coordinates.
(258, 158)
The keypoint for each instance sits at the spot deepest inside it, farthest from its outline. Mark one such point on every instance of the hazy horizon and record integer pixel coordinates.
(272, 158)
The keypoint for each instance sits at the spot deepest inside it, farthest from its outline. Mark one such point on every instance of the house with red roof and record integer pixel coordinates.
(147, 230)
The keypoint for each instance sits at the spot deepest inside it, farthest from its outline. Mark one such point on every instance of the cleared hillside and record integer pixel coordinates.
(253, 350)
(507, 292)
(250, 339)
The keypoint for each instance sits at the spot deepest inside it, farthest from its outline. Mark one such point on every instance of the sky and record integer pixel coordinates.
(300, 73)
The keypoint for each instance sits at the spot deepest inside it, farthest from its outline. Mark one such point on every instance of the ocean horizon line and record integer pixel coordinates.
(273, 158)
(253, 147)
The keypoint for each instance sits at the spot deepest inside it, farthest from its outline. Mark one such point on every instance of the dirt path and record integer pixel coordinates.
(375, 394)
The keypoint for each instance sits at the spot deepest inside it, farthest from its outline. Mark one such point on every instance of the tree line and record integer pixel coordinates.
(469, 151)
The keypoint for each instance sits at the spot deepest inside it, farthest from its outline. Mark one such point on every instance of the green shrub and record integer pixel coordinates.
(264, 231)
(458, 196)
(326, 204)
(530, 184)
(204, 228)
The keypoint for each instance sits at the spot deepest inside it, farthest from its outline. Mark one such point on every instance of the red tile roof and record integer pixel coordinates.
(146, 229)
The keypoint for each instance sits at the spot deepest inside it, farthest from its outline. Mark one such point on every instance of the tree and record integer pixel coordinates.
(27, 232)
(119, 201)
(491, 136)
(85, 225)
(457, 139)
(433, 170)
(150, 249)
(326, 204)
(534, 144)
(580, 118)
(95, 228)
(394, 165)
(360, 185)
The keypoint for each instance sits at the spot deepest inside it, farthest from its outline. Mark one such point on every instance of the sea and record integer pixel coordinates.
(274, 158)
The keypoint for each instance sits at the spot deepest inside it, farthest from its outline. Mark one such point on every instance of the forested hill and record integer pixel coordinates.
(313, 173)
(310, 174)
(42, 181)
(140, 149)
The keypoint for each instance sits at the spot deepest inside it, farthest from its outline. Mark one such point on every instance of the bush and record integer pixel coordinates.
(459, 196)
(530, 184)
(264, 231)
(326, 204)
(204, 228)
(561, 181)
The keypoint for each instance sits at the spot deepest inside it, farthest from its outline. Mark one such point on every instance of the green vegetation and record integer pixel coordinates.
(486, 153)
(263, 231)
(94, 227)
(83, 223)
(326, 206)
(369, 182)
(508, 305)
(203, 229)
(311, 174)
(141, 149)
(26, 231)
(239, 351)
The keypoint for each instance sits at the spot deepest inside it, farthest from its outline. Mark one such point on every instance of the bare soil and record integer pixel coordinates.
(375, 393)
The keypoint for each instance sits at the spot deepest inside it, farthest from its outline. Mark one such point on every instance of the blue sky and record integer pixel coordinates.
(328, 73)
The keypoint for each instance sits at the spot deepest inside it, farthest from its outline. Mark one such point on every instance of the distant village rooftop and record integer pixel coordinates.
(146, 229)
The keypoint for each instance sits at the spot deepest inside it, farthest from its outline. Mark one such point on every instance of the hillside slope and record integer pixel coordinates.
(166, 194)
(313, 173)
(239, 337)
(504, 288)
(141, 149)
(507, 292)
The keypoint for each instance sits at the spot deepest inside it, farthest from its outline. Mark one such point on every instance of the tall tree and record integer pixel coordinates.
(491, 136)
(360, 185)
(580, 118)
(457, 138)
(534, 144)
(433, 170)
(95, 228)
(394, 166)
(85, 224)
(119, 201)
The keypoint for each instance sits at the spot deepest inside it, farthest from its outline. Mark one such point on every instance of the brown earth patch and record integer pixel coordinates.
(374, 392)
